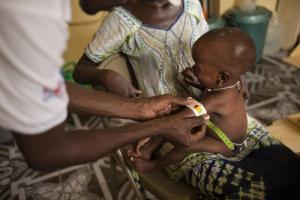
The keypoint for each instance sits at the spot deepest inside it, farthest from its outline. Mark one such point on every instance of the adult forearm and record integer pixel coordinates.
(86, 73)
(93, 6)
(57, 148)
(100, 103)
(98, 143)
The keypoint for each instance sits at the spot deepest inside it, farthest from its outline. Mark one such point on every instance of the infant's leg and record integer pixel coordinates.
(174, 156)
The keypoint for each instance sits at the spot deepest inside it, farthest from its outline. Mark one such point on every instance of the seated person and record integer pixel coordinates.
(221, 57)
(156, 37)
(260, 167)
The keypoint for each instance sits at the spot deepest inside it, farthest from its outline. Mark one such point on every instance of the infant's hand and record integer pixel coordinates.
(115, 83)
(190, 78)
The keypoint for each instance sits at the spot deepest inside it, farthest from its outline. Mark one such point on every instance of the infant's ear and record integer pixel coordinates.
(223, 77)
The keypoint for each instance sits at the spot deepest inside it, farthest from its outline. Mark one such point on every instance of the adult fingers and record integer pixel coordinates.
(199, 121)
(199, 134)
(203, 128)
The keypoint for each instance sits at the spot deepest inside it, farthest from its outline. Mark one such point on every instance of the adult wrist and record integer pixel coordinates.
(135, 109)
(161, 126)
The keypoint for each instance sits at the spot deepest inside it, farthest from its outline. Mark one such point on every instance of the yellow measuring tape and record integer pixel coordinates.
(198, 109)
(221, 135)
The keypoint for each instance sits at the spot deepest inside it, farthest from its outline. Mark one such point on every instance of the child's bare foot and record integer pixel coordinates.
(146, 150)
(144, 166)
(130, 153)
(146, 153)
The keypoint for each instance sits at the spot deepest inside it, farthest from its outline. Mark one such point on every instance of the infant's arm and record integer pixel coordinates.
(213, 103)
(201, 142)
(209, 144)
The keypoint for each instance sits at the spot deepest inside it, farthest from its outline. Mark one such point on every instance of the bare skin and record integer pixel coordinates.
(93, 6)
(158, 13)
(139, 149)
(144, 151)
(226, 107)
(57, 148)
(207, 144)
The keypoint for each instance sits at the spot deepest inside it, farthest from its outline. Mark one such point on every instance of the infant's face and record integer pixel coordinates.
(203, 74)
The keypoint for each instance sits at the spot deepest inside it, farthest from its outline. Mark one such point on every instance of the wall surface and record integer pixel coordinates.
(227, 4)
(81, 29)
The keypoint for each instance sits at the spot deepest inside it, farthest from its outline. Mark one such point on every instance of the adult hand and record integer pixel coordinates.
(115, 83)
(198, 132)
(180, 127)
(158, 106)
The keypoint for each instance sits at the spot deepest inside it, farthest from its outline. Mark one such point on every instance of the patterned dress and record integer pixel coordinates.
(157, 55)
(262, 168)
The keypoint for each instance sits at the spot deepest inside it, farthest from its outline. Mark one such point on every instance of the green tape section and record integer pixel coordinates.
(221, 135)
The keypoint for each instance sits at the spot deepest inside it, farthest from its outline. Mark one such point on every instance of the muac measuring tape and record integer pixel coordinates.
(198, 109)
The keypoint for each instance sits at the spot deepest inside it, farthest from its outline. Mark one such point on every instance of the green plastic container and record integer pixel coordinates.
(67, 71)
(215, 22)
(254, 22)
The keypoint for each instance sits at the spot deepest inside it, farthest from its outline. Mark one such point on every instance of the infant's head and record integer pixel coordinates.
(221, 56)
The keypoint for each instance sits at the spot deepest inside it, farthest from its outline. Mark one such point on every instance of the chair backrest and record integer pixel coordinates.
(163, 188)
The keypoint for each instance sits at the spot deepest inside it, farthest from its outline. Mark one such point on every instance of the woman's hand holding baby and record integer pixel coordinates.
(115, 83)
